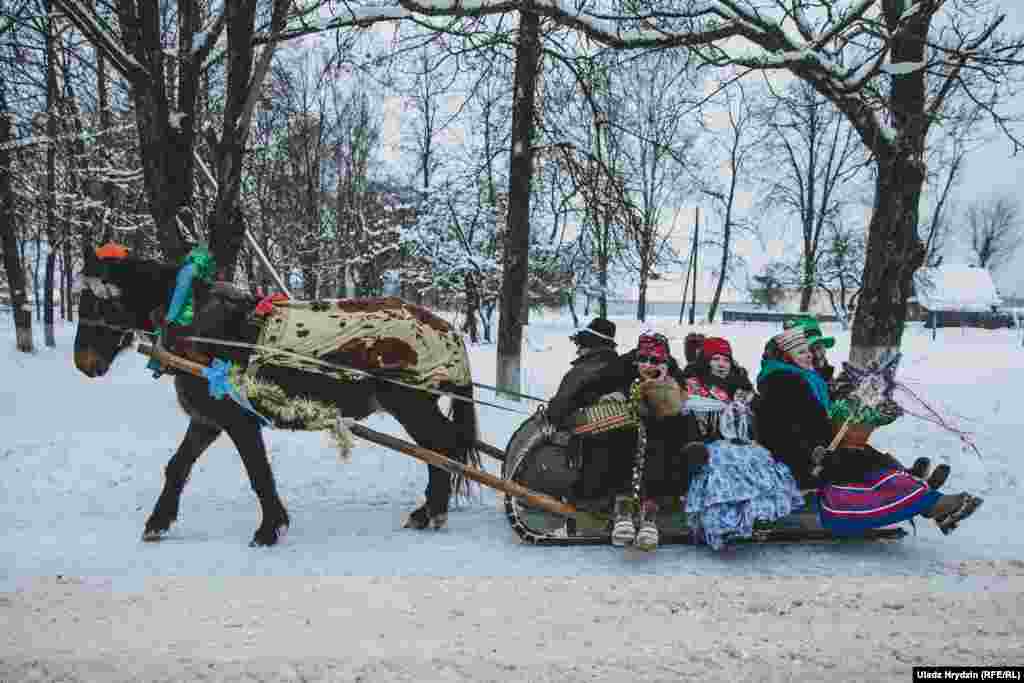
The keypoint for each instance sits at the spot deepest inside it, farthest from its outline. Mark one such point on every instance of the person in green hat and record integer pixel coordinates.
(819, 344)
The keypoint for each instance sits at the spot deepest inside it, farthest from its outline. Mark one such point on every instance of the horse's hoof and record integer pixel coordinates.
(420, 518)
(156, 531)
(151, 535)
(264, 538)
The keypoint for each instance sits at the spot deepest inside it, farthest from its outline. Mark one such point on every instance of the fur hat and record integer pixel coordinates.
(792, 341)
(600, 332)
(714, 346)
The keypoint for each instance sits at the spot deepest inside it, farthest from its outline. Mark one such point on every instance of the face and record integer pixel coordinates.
(720, 365)
(650, 367)
(818, 354)
(802, 358)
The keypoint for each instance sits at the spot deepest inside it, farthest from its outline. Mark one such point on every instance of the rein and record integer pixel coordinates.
(317, 361)
(346, 368)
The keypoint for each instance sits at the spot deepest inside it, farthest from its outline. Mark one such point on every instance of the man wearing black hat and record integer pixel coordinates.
(595, 348)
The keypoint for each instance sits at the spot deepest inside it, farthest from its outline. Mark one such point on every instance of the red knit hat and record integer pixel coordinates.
(715, 346)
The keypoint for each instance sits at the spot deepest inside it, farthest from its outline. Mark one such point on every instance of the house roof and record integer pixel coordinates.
(956, 287)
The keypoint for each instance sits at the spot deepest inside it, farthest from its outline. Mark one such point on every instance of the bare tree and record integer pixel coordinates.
(654, 145)
(8, 236)
(517, 236)
(736, 147)
(813, 153)
(995, 225)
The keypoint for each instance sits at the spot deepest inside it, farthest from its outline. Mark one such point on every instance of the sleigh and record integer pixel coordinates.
(547, 461)
(539, 475)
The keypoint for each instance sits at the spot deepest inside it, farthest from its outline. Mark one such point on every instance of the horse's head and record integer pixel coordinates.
(118, 296)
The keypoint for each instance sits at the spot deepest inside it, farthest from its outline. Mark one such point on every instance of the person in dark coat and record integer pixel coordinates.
(595, 348)
(858, 486)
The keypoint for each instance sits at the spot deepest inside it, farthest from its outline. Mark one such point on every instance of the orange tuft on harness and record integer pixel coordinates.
(112, 250)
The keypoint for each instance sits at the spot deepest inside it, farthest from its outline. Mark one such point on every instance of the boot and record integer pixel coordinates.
(949, 511)
(939, 476)
(647, 535)
(920, 468)
(623, 529)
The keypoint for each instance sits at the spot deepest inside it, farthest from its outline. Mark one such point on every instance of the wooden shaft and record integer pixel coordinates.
(172, 360)
(543, 501)
(839, 435)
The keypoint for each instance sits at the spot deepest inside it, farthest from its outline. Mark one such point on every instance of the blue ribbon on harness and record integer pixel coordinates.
(218, 375)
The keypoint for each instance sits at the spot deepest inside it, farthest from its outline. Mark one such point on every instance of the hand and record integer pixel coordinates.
(818, 456)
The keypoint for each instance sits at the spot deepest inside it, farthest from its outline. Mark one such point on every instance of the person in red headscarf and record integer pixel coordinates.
(716, 375)
(652, 377)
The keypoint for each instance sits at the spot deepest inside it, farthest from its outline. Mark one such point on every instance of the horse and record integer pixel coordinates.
(124, 294)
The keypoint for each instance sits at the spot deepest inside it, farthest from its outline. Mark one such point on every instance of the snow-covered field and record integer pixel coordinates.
(81, 464)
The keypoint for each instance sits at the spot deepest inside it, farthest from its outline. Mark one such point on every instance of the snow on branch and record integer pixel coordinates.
(86, 21)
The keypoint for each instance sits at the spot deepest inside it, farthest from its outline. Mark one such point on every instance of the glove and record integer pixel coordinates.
(661, 398)
(822, 460)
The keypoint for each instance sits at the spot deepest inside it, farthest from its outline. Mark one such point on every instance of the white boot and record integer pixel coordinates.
(647, 535)
(623, 530)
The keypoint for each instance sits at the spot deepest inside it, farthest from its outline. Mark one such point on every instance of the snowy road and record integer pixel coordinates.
(81, 464)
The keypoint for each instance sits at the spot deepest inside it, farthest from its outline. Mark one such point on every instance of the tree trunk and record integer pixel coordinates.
(895, 252)
(807, 288)
(51, 262)
(67, 261)
(243, 85)
(641, 304)
(517, 239)
(472, 307)
(9, 240)
(724, 265)
(51, 179)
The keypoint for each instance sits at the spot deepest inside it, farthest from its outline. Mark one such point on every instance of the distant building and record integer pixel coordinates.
(957, 295)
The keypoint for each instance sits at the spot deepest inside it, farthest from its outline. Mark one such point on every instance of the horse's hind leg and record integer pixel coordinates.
(248, 440)
(197, 439)
(428, 427)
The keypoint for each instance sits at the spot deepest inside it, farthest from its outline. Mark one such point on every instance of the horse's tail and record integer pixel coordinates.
(464, 418)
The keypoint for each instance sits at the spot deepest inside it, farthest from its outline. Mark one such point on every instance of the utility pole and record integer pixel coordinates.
(693, 259)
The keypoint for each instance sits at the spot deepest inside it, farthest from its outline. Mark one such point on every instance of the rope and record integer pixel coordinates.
(333, 366)
(347, 368)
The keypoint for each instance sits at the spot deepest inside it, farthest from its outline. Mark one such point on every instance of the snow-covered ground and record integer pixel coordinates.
(81, 464)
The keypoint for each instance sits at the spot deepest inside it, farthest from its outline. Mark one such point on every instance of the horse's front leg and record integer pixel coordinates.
(197, 439)
(248, 438)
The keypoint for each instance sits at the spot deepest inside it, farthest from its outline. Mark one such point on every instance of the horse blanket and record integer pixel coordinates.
(385, 336)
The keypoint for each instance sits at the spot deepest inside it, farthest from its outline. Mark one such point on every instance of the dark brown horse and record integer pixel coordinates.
(122, 295)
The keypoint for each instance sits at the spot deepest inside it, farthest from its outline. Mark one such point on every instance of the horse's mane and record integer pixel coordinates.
(135, 273)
